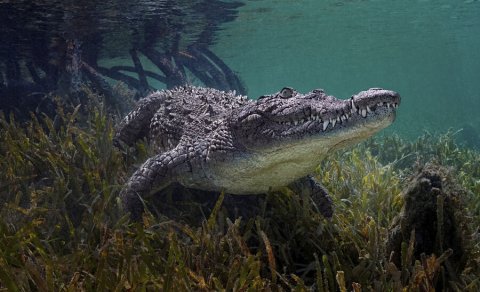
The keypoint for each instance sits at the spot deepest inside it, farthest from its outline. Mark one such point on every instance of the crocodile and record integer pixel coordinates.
(218, 141)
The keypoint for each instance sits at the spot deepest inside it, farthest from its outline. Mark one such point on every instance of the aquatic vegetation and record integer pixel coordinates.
(62, 228)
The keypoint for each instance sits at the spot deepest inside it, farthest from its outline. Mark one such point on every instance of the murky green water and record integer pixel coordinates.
(69, 70)
(429, 51)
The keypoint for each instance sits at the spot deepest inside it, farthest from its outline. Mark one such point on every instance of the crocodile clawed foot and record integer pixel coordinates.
(323, 202)
(132, 204)
(320, 197)
(308, 186)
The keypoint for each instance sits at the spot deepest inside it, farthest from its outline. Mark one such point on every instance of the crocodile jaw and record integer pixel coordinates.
(258, 172)
(275, 123)
(296, 148)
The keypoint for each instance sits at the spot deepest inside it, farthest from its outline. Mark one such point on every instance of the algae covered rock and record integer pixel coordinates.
(433, 221)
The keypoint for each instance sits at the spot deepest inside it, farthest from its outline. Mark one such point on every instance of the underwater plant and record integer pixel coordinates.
(62, 228)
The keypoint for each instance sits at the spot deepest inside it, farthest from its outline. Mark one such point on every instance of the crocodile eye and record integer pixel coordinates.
(286, 92)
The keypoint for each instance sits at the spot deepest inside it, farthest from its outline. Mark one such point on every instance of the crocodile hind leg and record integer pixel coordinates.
(309, 186)
(156, 173)
(136, 124)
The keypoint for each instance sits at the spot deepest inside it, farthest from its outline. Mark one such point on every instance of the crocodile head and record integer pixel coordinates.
(293, 126)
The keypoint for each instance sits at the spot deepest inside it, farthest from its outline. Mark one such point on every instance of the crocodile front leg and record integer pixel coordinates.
(309, 186)
(155, 174)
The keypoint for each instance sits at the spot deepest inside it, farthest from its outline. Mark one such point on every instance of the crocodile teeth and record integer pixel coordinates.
(295, 122)
(364, 112)
(333, 123)
(368, 109)
(354, 109)
(325, 125)
(338, 119)
(388, 105)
